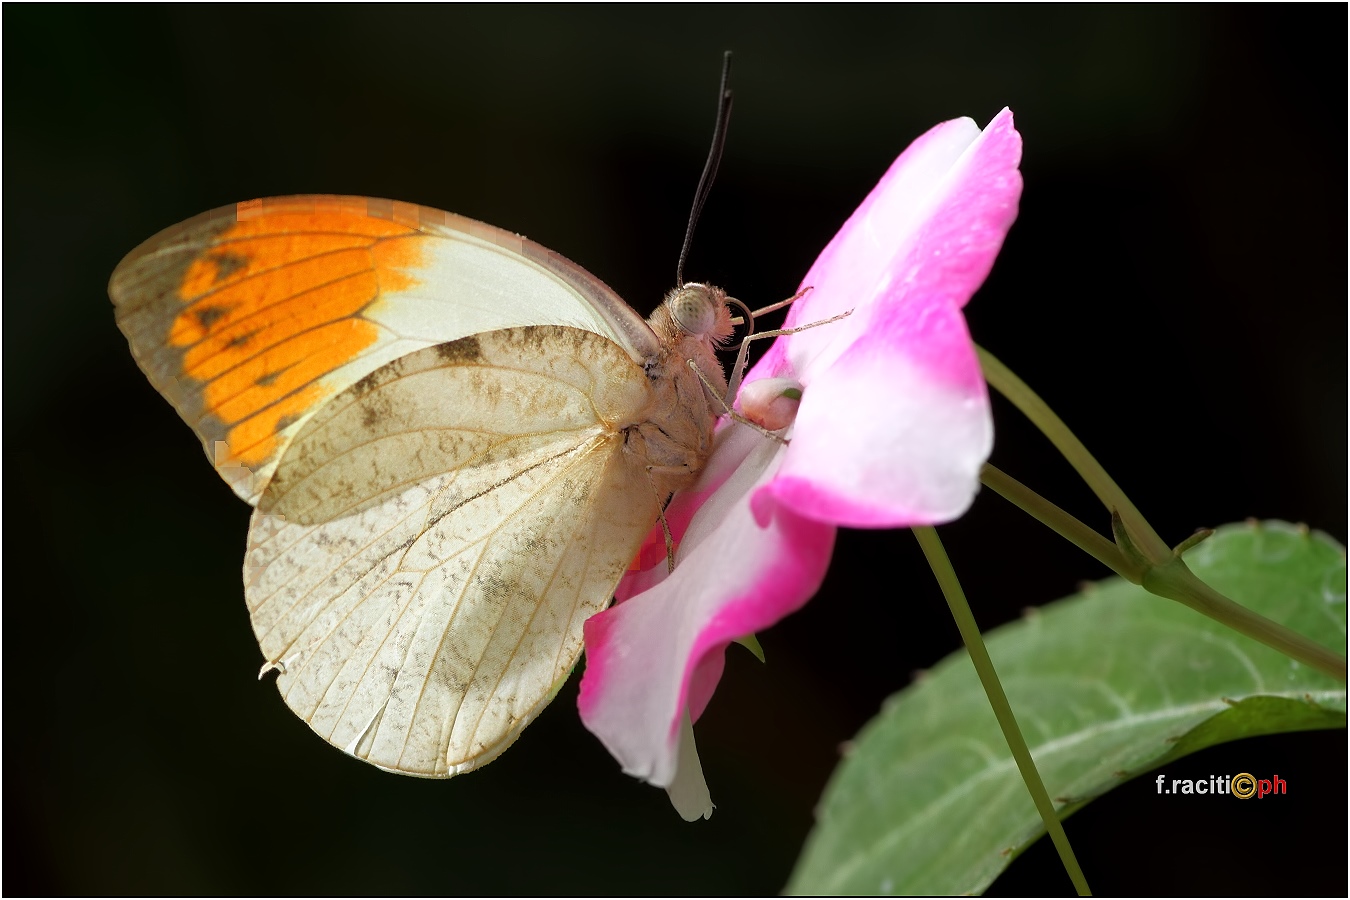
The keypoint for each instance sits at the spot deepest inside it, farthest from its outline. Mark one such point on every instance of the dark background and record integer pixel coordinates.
(1175, 287)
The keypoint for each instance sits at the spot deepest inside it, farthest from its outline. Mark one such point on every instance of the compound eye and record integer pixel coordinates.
(693, 309)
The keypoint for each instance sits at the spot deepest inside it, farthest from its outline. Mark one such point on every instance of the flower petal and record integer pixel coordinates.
(660, 653)
(894, 422)
(927, 234)
(880, 442)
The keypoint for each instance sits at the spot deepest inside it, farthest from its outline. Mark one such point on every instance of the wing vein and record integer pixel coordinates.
(318, 581)
(532, 497)
(201, 386)
(414, 479)
(576, 535)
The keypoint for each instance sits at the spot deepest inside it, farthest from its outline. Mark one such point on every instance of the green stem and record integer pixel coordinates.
(1175, 581)
(993, 689)
(1034, 408)
(1063, 524)
(1170, 578)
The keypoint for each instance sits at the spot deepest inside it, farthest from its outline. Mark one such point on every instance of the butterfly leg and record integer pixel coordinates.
(738, 370)
(731, 413)
(773, 307)
(661, 512)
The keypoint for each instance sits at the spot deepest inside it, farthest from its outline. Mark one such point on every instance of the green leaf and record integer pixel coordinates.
(1106, 685)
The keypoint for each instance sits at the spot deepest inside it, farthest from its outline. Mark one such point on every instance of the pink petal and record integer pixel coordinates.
(894, 422)
(660, 653)
(879, 441)
(926, 234)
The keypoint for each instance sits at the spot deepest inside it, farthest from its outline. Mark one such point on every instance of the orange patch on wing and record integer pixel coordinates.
(287, 367)
(255, 439)
(249, 286)
(393, 258)
(316, 295)
(274, 305)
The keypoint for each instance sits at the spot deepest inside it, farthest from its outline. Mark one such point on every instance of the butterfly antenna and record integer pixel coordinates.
(710, 167)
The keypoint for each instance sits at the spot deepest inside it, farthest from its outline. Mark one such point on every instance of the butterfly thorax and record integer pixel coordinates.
(675, 433)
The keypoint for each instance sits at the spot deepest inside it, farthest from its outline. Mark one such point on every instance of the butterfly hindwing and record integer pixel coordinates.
(420, 566)
(250, 317)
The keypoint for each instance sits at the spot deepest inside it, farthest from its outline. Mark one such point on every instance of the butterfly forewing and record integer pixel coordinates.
(421, 564)
(250, 317)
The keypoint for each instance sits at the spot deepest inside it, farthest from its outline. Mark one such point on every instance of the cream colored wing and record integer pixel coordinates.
(420, 566)
(250, 317)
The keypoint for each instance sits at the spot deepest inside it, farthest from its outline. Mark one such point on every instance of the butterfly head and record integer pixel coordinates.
(700, 311)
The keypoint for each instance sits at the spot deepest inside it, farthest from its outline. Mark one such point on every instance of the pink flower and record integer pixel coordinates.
(892, 429)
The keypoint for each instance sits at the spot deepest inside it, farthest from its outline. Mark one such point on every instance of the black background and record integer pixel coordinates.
(1175, 287)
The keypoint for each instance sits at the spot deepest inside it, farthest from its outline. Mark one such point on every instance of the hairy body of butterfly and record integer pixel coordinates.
(456, 441)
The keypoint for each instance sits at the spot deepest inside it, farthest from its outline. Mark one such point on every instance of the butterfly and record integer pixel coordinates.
(455, 441)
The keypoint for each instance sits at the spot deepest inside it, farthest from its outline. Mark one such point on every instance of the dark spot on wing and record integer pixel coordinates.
(210, 315)
(286, 422)
(464, 350)
(368, 383)
(375, 406)
(227, 263)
